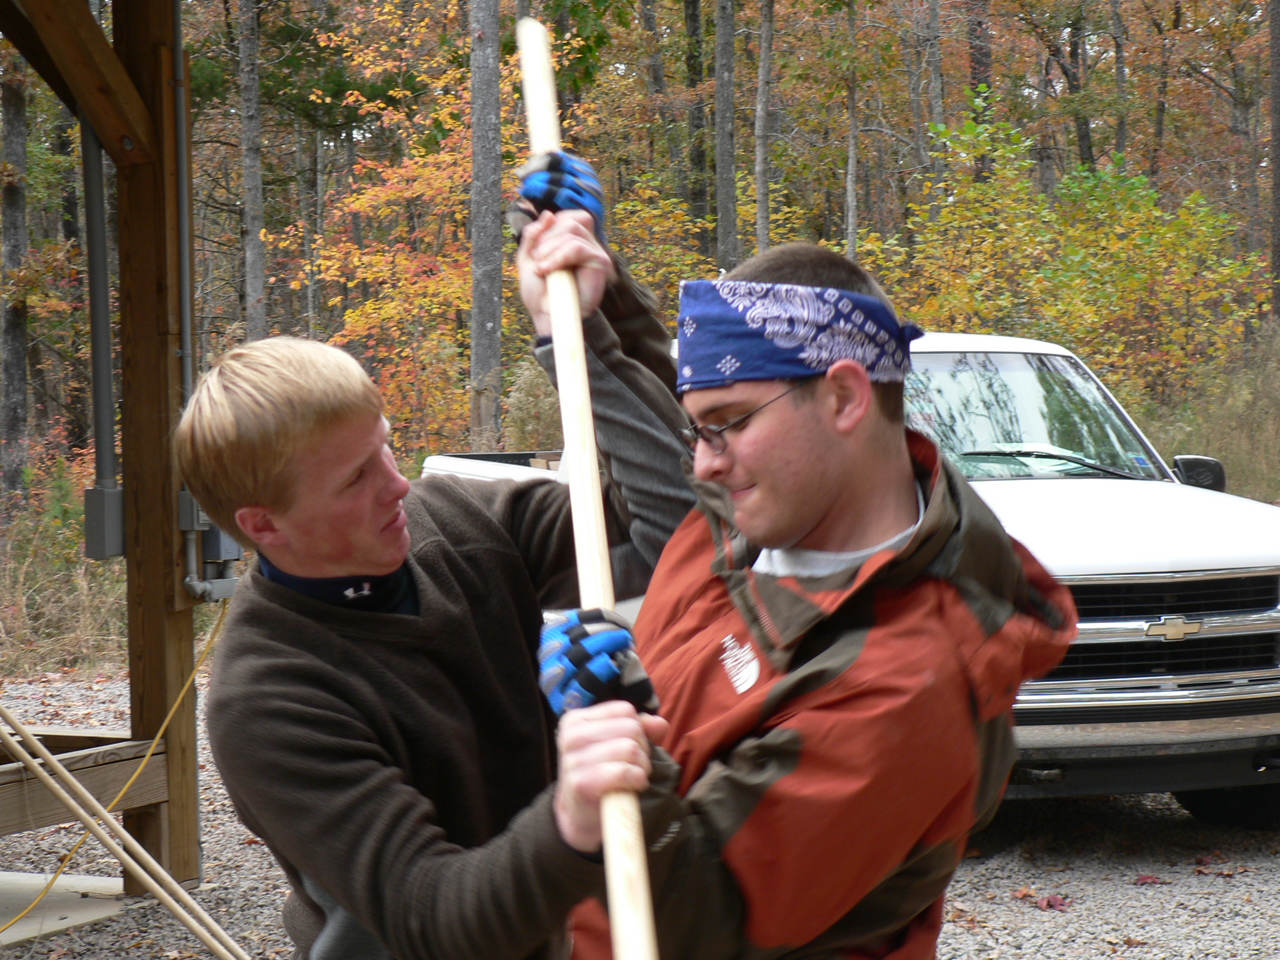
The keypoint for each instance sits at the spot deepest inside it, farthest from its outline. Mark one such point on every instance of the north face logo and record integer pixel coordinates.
(740, 663)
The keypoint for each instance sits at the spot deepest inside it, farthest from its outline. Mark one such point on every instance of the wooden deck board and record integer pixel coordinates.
(26, 804)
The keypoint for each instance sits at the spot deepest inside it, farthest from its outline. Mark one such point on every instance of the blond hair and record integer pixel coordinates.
(252, 411)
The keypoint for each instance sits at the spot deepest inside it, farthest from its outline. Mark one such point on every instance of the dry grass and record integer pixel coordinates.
(531, 418)
(57, 609)
(1236, 418)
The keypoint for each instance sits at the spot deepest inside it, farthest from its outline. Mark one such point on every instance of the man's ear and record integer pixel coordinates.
(258, 524)
(850, 391)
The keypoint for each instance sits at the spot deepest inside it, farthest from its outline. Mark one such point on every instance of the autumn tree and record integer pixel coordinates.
(1150, 297)
(1227, 60)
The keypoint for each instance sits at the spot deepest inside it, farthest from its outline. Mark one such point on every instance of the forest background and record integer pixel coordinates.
(1094, 172)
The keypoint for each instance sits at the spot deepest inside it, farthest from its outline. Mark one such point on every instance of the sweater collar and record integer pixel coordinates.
(388, 593)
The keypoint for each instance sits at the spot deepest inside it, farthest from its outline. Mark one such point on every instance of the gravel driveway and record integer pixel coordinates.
(1130, 877)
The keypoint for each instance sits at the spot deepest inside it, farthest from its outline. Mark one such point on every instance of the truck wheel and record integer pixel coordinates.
(1254, 808)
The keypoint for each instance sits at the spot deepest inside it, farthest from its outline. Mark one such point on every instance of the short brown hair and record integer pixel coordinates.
(811, 265)
(253, 410)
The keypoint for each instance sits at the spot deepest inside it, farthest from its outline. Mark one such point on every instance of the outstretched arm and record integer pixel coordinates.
(637, 419)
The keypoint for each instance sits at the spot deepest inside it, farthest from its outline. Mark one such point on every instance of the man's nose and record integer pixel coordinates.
(707, 464)
(396, 485)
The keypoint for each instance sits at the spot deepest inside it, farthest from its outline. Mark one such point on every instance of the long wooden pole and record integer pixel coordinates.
(85, 807)
(626, 870)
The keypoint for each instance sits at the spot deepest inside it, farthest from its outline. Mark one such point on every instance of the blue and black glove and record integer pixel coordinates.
(589, 656)
(555, 182)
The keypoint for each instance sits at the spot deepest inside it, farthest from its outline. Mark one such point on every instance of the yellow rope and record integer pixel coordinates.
(65, 859)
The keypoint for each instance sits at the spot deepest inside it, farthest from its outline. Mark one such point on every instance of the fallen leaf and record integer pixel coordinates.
(1145, 879)
(1053, 902)
(963, 918)
(1023, 892)
(1134, 942)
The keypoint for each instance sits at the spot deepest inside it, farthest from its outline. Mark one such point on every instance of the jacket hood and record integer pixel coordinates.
(1028, 618)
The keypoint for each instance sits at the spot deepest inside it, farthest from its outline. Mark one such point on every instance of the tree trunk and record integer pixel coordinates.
(306, 147)
(656, 80)
(1273, 7)
(1245, 107)
(851, 164)
(1118, 35)
(64, 146)
(357, 221)
(695, 74)
(1162, 84)
(320, 190)
(75, 398)
(253, 220)
(763, 83)
(1077, 79)
(485, 225)
(1072, 63)
(13, 240)
(914, 57)
(1239, 81)
(726, 181)
(979, 36)
(1046, 148)
(933, 65)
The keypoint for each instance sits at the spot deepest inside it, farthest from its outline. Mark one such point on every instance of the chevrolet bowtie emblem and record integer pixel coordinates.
(1173, 628)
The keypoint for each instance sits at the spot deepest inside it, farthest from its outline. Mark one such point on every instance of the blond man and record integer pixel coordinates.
(374, 710)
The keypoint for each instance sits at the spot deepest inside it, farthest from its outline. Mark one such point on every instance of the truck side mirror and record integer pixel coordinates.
(1199, 471)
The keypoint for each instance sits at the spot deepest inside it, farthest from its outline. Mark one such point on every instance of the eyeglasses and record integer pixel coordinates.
(715, 436)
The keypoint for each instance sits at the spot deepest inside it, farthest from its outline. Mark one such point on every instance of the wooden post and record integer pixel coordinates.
(160, 620)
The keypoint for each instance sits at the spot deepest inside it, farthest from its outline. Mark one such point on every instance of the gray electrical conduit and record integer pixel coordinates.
(197, 587)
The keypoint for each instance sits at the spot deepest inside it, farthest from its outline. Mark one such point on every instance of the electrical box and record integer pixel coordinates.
(103, 523)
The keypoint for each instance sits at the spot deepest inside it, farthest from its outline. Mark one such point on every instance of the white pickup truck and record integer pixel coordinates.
(1174, 681)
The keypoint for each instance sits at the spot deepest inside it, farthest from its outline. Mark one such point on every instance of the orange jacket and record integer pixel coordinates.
(837, 741)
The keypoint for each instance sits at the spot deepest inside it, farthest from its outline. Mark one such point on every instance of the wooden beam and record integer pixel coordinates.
(66, 739)
(18, 30)
(108, 99)
(160, 627)
(27, 804)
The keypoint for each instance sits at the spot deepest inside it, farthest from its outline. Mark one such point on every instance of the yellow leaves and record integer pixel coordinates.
(1148, 294)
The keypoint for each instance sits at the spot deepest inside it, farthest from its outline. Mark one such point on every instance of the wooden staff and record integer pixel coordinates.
(132, 856)
(626, 869)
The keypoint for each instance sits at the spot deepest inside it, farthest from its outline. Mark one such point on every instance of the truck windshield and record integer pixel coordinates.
(1008, 415)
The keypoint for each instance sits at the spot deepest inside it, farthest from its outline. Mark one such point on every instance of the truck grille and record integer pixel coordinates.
(1132, 604)
(1095, 661)
(1139, 601)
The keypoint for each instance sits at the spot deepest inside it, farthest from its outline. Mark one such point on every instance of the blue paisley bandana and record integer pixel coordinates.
(732, 330)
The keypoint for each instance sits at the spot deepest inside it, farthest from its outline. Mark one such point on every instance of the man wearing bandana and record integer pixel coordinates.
(836, 633)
